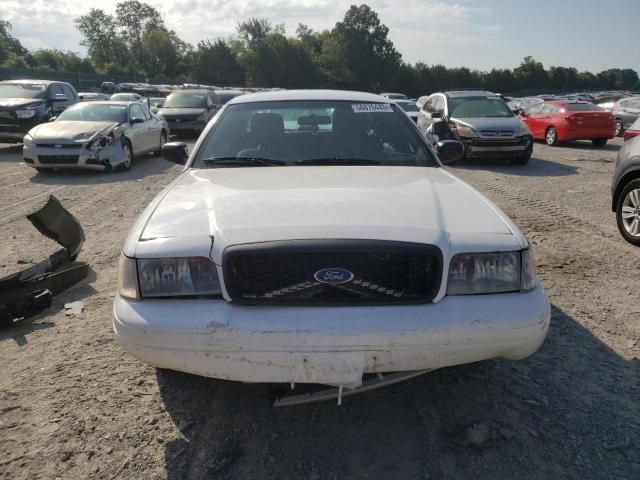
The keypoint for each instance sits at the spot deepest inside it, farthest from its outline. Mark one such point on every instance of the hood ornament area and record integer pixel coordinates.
(333, 276)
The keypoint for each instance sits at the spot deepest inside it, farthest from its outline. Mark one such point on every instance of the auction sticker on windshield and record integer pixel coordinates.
(371, 107)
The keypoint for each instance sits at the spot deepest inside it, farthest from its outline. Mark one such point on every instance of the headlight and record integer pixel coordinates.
(28, 113)
(482, 273)
(524, 130)
(465, 131)
(27, 141)
(100, 142)
(165, 277)
(128, 278)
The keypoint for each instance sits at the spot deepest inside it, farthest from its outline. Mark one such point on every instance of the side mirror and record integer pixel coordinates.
(52, 119)
(135, 120)
(449, 151)
(175, 152)
(435, 115)
(60, 98)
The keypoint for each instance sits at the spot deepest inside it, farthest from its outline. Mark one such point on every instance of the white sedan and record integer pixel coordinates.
(314, 237)
(95, 135)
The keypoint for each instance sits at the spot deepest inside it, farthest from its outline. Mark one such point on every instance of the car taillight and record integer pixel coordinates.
(629, 134)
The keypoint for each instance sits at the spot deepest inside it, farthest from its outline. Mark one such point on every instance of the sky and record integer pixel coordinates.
(590, 35)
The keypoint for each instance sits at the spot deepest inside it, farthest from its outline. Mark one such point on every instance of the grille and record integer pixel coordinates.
(507, 142)
(57, 159)
(283, 272)
(58, 145)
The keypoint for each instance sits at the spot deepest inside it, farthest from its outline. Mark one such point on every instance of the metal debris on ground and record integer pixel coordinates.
(28, 292)
(73, 308)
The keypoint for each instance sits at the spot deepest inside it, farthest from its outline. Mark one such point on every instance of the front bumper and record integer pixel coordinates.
(497, 147)
(185, 126)
(13, 130)
(328, 345)
(74, 158)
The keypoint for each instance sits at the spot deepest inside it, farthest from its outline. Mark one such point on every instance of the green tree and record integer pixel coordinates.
(216, 63)
(531, 74)
(100, 34)
(135, 18)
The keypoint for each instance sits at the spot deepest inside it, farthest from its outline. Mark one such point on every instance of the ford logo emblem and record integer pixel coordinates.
(333, 276)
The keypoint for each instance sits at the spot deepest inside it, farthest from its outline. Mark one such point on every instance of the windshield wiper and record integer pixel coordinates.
(338, 161)
(253, 161)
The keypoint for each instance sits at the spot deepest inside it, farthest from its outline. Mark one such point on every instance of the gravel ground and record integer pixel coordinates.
(73, 405)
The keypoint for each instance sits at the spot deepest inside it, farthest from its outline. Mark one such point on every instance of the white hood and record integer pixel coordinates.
(68, 131)
(257, 204)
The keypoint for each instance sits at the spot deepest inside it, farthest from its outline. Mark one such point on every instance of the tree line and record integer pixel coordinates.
(356, 54)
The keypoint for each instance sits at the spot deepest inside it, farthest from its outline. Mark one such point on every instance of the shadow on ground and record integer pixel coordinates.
(537, 167)
(569, 411)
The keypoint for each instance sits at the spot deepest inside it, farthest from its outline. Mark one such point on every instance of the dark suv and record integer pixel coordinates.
(482, 121)
(27, 103)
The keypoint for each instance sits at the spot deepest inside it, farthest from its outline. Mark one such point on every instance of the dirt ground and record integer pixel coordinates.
(74, 406)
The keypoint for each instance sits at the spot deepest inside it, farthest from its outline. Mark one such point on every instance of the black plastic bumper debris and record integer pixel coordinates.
(28, 292)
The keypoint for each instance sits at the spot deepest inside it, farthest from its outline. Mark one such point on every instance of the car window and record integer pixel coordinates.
(94, 112)
(145, 112)
(469, 107)
(23, 90)
(135, 112)
(68, 92)
(535, 109)
(298, 131)
(583, 107)
(186, 100)
(407, 106)
(547, 108)
(635, 103)
(55, 90)
(439, 106)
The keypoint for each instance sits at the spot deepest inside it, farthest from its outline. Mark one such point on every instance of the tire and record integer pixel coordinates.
(163, 140)
(524, 158)
(123, 167)
(599, 142)
(629, 204)
(619, 128)
(551, 136)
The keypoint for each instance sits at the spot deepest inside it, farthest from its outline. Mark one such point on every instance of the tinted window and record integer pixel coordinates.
(68, 92)
(23, 90)
(294, 131)
(186, 100)
(136, 112)
(478, 107)
(55, 90)
(94, 112)
(407, 106)
(583, 107)
(225, 97)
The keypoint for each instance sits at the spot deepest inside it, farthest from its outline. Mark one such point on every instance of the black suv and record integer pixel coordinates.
(27, 103)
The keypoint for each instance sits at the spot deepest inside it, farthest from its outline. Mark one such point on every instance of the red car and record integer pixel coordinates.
(564, 120)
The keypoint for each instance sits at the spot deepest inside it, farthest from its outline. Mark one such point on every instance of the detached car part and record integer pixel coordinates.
(28, 292)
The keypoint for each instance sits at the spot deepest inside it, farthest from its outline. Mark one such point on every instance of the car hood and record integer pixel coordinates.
(204, 211)
(490, 124)
(10, 103)
(169, 112)
(69, 131)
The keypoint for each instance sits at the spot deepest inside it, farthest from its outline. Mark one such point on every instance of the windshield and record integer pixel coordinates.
(313, 132)
(94, 112)
(408, 106)
(186, 100)
(23, 90)
(478, 107)
(583, 107)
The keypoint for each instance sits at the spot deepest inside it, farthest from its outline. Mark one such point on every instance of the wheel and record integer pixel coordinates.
(128, 151)
(619, 128)
(163, 140)
(523, 159)
(599, 142)
(628, 212)
(551, 137)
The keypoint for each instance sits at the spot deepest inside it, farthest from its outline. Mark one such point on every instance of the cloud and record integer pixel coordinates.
(425, 30)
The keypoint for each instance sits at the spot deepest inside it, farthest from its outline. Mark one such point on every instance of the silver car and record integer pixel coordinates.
(625, 191)
(625, 111)
(95, 135)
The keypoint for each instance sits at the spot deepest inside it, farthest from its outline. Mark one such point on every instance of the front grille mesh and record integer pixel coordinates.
(58, 159)
(287, 277)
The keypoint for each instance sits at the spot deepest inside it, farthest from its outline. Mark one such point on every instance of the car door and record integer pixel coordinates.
(138, 129)
(533, 121)
(152, 130)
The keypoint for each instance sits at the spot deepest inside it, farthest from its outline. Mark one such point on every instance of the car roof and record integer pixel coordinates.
(199, 91)
(107, 102)
(228, 92)
(29, 80)
(468, 93)
(330, 95)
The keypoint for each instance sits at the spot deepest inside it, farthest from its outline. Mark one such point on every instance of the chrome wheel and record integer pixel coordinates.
(551, 136)
(631, 213)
